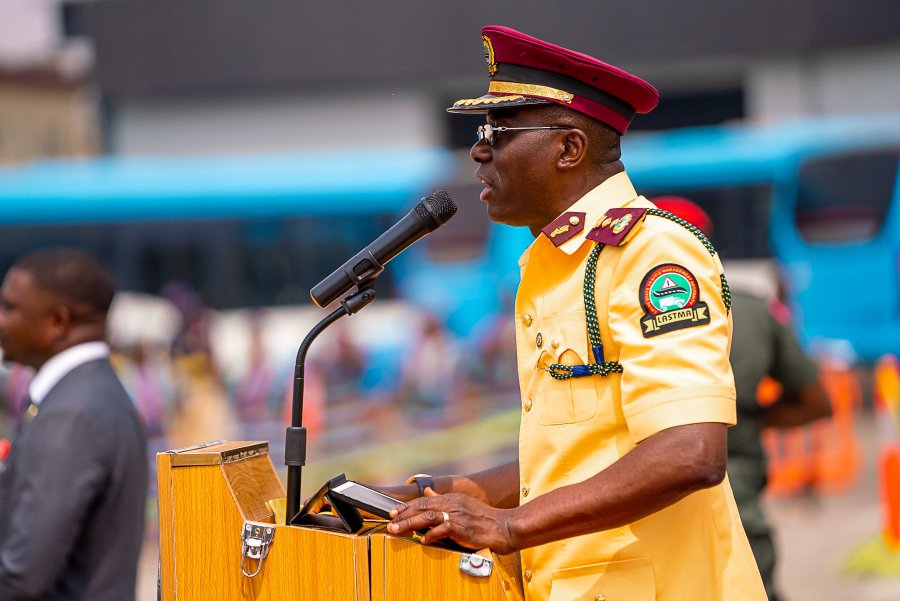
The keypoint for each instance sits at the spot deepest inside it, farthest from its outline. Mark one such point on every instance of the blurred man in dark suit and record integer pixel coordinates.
(73, 489)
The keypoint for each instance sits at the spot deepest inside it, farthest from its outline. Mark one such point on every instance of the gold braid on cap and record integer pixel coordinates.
(509, 87)
(486, 100)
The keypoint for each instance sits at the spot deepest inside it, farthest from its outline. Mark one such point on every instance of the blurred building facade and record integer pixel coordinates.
(47, 105)
(200, 76)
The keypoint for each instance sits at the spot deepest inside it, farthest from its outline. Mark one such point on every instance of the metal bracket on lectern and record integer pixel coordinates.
(474, 564)
(256, 539)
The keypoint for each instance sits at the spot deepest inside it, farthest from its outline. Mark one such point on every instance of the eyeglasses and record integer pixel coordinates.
(486, 132)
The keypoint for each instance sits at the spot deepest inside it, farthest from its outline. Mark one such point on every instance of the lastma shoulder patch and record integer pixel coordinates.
(670, 297)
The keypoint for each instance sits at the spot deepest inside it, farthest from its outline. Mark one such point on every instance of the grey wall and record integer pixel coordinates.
(182, 47)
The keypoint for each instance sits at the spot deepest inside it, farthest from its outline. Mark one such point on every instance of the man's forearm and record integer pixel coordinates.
(658, 472)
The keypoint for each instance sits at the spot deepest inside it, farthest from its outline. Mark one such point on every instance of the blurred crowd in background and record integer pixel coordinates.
(188, 391)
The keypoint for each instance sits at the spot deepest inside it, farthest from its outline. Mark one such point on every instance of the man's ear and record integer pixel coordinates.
(60, 322)
(575, 147)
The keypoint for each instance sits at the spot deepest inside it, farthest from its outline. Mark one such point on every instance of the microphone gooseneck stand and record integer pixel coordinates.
(295, 437)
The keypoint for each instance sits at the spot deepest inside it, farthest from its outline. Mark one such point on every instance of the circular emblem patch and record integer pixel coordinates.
(489, 54)
(668, 287)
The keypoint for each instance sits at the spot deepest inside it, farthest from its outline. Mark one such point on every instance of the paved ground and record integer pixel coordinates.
(814, 534)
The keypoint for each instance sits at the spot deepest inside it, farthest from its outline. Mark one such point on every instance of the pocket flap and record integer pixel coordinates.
(630, 579)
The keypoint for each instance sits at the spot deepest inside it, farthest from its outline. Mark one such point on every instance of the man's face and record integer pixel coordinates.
(518, 169)
(26, 320)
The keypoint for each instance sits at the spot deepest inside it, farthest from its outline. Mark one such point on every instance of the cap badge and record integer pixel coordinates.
(489, 54)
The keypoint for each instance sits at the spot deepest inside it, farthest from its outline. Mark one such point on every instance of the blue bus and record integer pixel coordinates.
(242, 230)
(823, 193)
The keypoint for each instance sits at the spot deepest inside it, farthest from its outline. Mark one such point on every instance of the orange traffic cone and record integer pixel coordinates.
(825, 454)
(886, 388)
(889, 474)
(836, 450)
(787, 451)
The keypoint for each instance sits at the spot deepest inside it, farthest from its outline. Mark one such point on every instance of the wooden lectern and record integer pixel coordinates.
(208, 493)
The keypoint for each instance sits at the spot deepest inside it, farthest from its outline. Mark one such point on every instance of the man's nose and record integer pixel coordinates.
(480, 152)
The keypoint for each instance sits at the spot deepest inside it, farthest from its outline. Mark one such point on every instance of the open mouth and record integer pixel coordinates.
(488, 186)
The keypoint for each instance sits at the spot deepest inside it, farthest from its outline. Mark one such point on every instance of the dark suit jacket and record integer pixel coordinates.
(73, 493)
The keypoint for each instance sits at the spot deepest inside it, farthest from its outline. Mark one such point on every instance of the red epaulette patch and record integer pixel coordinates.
(617, 226)
(564, 227)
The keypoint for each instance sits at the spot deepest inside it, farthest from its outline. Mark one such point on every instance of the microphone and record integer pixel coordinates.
(431, 213)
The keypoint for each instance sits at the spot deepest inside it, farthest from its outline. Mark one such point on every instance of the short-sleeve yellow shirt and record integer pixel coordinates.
(674, 372)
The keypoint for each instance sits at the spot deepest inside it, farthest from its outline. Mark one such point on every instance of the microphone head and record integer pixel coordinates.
(435, 209)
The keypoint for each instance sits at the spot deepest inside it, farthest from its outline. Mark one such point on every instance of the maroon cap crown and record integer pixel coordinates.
(525, 71)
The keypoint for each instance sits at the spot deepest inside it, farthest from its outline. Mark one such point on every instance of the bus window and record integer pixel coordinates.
(739, 213)
(845, 197)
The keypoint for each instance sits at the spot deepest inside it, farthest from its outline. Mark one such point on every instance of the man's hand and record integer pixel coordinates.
(469, 522)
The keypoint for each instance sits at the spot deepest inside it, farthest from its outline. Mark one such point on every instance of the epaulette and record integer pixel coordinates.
(564, 227)
(617, 226)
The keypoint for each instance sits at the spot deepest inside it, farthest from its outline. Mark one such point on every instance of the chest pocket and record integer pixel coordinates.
(630, 579)
(563, 340)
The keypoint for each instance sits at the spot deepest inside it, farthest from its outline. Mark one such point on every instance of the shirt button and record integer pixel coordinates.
(528, 404)
(600, 597)
(526, 320)
(525, 489)
(505, 585)
(555, 343)
(539, 341)
(528, 575)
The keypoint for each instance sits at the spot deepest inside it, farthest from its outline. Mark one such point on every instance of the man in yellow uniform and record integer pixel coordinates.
(623, 331)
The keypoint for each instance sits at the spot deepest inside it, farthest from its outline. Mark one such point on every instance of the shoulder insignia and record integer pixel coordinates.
(670, 297)
(564, 227)
(617, 226)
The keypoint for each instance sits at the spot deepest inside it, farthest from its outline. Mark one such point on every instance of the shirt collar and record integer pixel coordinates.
(59, 365)
(617, 191)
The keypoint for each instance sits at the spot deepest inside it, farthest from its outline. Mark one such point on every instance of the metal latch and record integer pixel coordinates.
(476, 565)
(256, 538)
